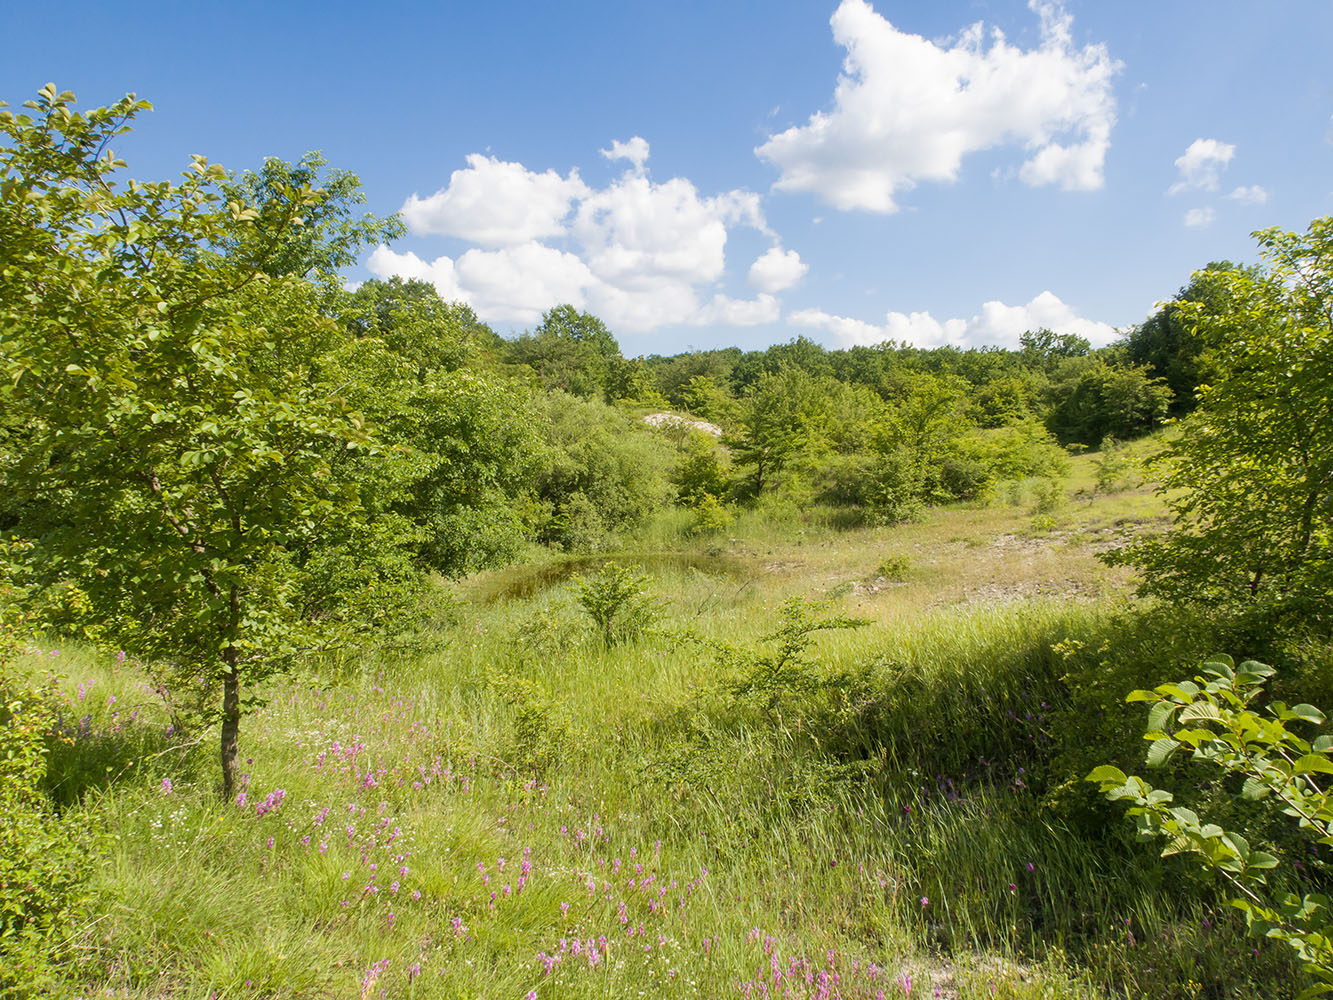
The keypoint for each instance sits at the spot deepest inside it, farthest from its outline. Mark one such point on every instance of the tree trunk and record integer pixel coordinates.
(231, 722)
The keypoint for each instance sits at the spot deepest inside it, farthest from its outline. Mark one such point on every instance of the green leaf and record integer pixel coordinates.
(1313, 763)
(1306, 712)
(1161, 751)
(1200, 711)
(1106, 774)
(1159, 714)
(1254, 789)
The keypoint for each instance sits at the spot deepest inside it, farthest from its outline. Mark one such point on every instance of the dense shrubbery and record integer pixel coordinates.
(603, 473)
(44, 859)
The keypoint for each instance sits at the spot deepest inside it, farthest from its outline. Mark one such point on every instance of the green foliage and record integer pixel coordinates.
(1100, 399)
(884, 486)
(701, 471)
(176, 432)
(704, 397)
(894, 567)
(925, 421)
(1212, 718)
(675, 375)
(787, 673)
(617, 601)
(711, 516)
(1048, 497)
(573, 352)
(329, 235)
(965, 478)
(1249, 478)
(457, 459)
(1045, 350)
(602, 475)
(541, 736)
(44, 859)
(1016, 451)
(1002, 402)
(1167, 344)
(779, 418)
(1113, 466)
(414, 322)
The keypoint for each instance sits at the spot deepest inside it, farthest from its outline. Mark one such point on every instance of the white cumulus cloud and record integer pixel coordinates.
(518, 284)
(386, 263)
(496, 204)
(1252, 195)
(997, 324)
(907, 109)
(1201, 165)
(1197, 218)
(635, 231)
(635, 150)
(724, 311)
(776, 269)
(636, 252)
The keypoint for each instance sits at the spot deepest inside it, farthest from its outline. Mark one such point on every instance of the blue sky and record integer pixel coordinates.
(708, 174)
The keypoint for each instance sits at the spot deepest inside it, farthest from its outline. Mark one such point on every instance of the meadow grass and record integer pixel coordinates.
(520, 810)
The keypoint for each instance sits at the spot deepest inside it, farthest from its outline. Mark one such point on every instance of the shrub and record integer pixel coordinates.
(1048, 498)
(711, 517)
(617, 602)
(700, 472)
(43, 863)
(885, 487)
(966, 478)
(604, 473)
(894, 567)
(1211, 717)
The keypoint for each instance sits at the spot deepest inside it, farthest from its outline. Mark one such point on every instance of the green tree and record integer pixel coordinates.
(1098, 400)
(329, 234)
(1249, 478)
(703, 397)
(160, 352)
(412, 320)
(1166, 343)
(779, 418)
(1044, 349)
(458, 454)
(571, 351)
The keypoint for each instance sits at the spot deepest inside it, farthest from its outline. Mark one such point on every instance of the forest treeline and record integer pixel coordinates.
(877, 432)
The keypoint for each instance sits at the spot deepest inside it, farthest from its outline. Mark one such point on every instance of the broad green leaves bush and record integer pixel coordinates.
(602, 475)
(1211, 717)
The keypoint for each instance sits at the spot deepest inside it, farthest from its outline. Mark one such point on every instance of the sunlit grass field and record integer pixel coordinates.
(516, 809)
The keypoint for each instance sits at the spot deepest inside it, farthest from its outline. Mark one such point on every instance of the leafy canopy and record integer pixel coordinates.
(171, 431)
(1249, 477)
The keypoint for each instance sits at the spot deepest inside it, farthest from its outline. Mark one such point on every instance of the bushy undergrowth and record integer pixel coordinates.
(44, 857)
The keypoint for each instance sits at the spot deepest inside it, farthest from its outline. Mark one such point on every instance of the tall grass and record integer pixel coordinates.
(519, 808)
